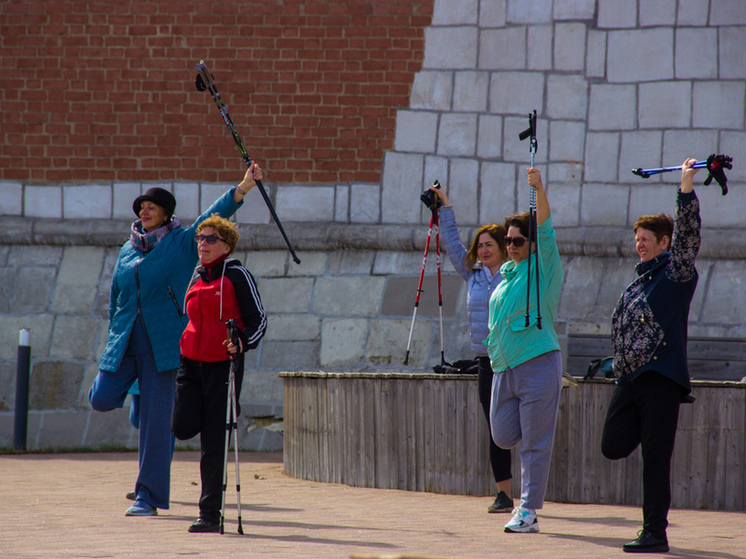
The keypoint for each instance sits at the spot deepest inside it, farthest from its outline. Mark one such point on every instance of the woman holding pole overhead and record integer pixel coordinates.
(145, 322)
(525, 355)
(649, 335)
(480, 268)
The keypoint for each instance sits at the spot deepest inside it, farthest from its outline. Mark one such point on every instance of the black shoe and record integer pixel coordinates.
(131, 496)
(647, 543)
(203, 525)
(502, 503)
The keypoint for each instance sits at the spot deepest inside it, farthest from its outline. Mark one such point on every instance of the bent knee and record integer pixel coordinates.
(183, 429)
(614, 452)
(504, 441)
(101, 403)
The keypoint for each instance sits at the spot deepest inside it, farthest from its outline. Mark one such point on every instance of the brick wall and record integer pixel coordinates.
(103, 91)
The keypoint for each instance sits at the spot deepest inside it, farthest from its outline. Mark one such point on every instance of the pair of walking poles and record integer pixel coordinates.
(231, 428)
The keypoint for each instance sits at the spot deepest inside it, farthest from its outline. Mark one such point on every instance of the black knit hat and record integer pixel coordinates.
(159, 196)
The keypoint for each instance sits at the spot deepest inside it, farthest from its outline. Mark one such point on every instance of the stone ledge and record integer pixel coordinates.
(595, 241)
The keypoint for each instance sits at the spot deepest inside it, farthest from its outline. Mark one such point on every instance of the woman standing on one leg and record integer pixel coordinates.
(526, 359)
(221, 290)
(649, 333)
(145, 321)
(480, 268)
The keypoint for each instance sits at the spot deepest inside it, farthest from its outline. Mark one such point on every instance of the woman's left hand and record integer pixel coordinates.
(687, 175)
(253, 174)
(534, 177)
(233, 348)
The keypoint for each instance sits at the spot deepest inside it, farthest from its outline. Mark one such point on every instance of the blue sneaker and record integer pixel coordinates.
(141, 508)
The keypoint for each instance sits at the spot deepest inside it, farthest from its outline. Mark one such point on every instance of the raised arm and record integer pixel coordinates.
(686, 233)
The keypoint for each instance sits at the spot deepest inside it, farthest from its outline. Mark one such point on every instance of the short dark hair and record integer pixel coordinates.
(518, 220)
(660, 225)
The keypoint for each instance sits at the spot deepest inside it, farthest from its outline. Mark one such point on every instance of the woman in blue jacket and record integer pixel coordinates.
(480, 268)
(145, 323)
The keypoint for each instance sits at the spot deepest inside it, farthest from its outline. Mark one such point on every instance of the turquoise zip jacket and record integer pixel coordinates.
(154, 284)
(511, 342)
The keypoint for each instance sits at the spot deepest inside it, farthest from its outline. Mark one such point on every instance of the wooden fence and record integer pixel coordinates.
(427, 432)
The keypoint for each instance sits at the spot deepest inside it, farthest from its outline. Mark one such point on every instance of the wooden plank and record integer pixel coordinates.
(289, 460)
(680, 462)
(322, 398)
(698, 468)
(718, 445)
(452, 440)
(369, 433)
(735, 449)
(420, 460)
(336, 438)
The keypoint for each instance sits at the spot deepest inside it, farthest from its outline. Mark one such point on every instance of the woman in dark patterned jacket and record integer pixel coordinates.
(649, 334)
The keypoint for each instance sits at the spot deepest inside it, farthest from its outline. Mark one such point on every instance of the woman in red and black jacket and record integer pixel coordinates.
(221, 290)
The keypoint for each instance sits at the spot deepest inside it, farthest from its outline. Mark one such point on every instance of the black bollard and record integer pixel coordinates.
(23, 370)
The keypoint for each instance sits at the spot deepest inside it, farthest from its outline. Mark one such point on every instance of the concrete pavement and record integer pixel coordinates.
(72, 506)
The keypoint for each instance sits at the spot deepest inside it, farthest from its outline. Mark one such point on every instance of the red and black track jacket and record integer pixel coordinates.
(215, 295)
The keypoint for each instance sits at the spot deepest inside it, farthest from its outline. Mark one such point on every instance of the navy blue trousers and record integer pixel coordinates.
(156, 443)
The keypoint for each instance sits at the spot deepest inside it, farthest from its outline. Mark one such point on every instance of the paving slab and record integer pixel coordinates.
(72, 506)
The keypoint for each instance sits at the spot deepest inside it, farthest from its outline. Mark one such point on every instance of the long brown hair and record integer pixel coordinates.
(495, 231)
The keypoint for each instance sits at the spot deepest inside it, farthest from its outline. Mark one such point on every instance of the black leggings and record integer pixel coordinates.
(201, 395)
(499, 457)
(645, 412)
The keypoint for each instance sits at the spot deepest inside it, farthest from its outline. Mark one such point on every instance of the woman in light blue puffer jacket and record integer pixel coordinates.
(480, 268)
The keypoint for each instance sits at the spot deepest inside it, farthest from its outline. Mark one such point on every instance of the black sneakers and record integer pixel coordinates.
(646, 542)
(502, 503)
(203, 525)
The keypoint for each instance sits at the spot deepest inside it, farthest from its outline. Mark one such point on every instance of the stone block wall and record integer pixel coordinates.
(617, 84)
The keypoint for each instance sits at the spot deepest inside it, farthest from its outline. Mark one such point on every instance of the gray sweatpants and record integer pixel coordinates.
(523, 408)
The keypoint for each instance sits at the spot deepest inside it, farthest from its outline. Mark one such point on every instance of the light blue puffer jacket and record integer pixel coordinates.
(479, 288)
(155, 283)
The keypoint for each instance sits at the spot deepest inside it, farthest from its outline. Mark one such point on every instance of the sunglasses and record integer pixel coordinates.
(518, 242)
(211, 239)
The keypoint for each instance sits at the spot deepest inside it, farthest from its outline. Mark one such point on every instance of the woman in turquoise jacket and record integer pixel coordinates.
(146, 320)
(525, 358)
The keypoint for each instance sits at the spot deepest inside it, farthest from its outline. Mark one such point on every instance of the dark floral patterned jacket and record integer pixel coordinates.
(649, 324)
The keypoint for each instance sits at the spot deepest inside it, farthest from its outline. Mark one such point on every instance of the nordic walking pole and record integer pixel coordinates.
(715, 165)
(419, 290)
(204, 81)
(231, 424)
(440, 291)
(234, 421)
(532, 232)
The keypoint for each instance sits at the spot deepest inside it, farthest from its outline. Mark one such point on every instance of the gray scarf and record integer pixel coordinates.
(145, 241)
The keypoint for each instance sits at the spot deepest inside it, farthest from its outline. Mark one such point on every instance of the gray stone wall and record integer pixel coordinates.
(617, 84)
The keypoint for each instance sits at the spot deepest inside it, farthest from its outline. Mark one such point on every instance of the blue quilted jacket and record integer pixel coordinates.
(155, 284)
(479, 287)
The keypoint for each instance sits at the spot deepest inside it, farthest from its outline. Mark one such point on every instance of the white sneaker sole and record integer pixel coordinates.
(531, 528)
